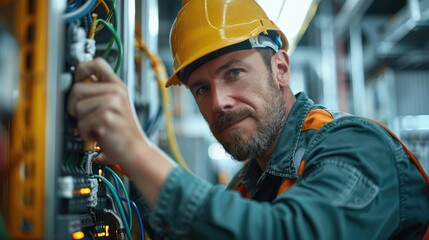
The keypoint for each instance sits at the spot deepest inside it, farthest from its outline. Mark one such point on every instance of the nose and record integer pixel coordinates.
(222, 98)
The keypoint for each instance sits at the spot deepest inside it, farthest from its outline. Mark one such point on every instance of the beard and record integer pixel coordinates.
(269, 121)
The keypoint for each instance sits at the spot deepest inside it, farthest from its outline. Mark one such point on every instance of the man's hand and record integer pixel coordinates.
(104, 114)
(100, 103)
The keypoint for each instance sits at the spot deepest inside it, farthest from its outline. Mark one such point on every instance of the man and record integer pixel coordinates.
(310, 173)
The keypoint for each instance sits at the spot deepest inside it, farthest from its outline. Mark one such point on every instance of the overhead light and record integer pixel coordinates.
(291, 16)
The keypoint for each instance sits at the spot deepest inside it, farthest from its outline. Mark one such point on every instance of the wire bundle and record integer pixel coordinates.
(80, 10)
(161, 77)
(126, 216)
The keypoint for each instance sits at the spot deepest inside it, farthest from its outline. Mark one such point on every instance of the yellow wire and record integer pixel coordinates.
(108, 13)
(161, 76)
(91, 31)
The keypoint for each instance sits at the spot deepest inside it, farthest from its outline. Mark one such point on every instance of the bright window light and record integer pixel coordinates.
(217, 152)
(291, 16)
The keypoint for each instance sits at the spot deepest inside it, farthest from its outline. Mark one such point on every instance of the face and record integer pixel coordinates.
(240, 100)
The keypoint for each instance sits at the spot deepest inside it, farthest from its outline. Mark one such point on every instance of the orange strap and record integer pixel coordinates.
(316, 118)
(426, 236)
(287, 182)
(119, 169)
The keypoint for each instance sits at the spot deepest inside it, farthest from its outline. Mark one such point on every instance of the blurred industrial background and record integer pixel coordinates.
(366, 57)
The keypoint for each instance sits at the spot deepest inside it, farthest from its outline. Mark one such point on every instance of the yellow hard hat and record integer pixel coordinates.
(207, 26)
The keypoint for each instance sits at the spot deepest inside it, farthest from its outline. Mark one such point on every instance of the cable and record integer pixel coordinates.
(91, 30)
(152, 124)
(109, 13)
(115, 26)
(87, 21)
(118, 202)
(161, 76)
(117, 178)
(79, 13)
(75, 5)
(118, 42)
(139, 217)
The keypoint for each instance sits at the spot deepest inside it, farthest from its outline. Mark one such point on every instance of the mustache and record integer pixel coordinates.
(227, 117)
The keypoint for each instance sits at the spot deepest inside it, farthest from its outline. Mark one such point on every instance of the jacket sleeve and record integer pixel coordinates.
(348, 190)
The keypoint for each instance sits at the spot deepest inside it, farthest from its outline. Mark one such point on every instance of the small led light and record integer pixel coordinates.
(78, 235)
(85, 190)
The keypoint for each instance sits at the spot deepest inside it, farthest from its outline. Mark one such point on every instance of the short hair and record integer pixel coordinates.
(266, 54)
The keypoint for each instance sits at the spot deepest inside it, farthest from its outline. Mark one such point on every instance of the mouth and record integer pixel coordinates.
(230, 124)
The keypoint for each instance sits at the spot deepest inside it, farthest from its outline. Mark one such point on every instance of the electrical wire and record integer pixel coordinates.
(115, 26)
(91, 30)
(115, 176)
(103, 3)
(75, 5)
(139, 218)
(118, 202)
(161, 76)
(117, 39)
(80, 12)
(109, 13)
(87, 22)
(152, 124)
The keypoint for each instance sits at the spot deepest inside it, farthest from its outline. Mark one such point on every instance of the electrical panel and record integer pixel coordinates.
(51, 188)
(93, 200)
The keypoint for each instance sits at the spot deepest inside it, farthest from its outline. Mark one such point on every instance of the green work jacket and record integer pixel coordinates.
(357, 183)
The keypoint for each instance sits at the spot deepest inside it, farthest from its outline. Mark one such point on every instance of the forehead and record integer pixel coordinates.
(248, 56)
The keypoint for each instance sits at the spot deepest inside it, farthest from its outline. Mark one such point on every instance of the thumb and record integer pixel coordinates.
(101, 159)
(97, 70)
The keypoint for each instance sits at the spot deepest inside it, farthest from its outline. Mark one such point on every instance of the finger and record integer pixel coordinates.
(82, 91)
(93, 126)
(101, 159)
(90, 104)
(89, 98)
(96, 70)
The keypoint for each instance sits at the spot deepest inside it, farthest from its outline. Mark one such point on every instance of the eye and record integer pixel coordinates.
(234, 73)
(201, 91)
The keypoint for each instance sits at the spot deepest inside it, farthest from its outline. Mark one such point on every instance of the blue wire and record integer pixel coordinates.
(118, 201)
(75, 5)
(81, 13)
(88, 22)
(139, 217)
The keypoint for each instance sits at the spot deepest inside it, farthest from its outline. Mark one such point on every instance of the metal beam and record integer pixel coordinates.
(351, 10)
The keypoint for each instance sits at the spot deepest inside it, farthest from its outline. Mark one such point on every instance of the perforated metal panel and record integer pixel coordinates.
(412, 88)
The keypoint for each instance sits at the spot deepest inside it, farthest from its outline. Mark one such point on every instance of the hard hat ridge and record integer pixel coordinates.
(210, 27)
(271, 40)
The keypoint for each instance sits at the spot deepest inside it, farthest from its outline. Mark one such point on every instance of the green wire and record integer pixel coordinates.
(112, 6)
(118, 202)
(126, 195)
(118, 41)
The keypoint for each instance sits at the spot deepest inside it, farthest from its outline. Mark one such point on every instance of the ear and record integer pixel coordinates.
(282, 68)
